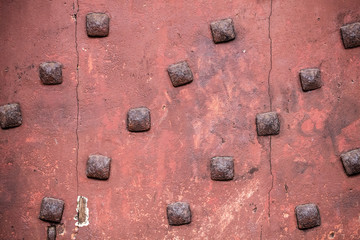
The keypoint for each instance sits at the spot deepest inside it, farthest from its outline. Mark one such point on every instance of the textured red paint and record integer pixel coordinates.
(212, 116)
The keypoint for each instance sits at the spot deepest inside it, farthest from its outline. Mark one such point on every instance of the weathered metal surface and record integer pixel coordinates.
(178, 213)
(223, 30)
(10, 115)
(50, 73)
(98, 167)
(51, 209)
(307, 216)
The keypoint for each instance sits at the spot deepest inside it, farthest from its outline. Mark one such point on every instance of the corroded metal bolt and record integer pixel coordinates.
(51, 233)
(310, 79)
(267, 124)
(97, 24)
(308, 216)
(223, 30)
(10, 115)
(222, 168)
(180, 74)
(178, 213)
(50, 73)
(98, 167)
(351, 35)
(51, 209)
(351, 162)
(138, 119)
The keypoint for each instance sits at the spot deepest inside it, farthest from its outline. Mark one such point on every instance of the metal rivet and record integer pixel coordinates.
(223, 30)
(351, 161)
(51, 233)
(50, 73)
(138, 119)
(351, 35)
(180, 74)
(310, 79)
(10, 115)
(178, 213)
(308, 216)
(222, 168)
(267, 124)
(98, 167)
(51, 209)
(97, 24)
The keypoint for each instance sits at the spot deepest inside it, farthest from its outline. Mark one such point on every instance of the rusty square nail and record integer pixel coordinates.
(10, 115)
(310, 79)
(51, 209)
(138, 119)
(351, 162)
(50, 73)
(180, 74)
(178, 213)
(51, 233)
(351, 35)
(267, 124)
(98, 167)
(223, 30)
(97, 24)
(308, 216)
(222, 168)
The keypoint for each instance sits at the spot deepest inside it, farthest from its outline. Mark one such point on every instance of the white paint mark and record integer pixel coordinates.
(83, 210)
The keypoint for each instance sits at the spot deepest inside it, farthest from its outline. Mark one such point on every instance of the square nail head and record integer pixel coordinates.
(51, 233)
(178, 213)
(308, 216)
(223, 30)
(50, 73)
(51, 209)
(98, 167)
(138, 119)
(10, 115)
(222, 168)
(97, 24)
(180, 74)
(350, 34)
(267, 124)
(351, 162)
(310, 79)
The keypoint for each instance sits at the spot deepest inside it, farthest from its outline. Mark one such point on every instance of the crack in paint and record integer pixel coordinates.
(269, 93)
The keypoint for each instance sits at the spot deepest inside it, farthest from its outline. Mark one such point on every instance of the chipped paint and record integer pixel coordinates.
(82, 216)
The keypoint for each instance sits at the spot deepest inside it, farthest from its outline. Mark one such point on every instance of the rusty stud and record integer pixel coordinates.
(351, 162)
(222, 168)
(308, 216)
(51, 209)
(138, 119)
(178, 213)
(50, 73)
(98, 167)
(180, 74)
(223, 30)
(10, 115)
(267, 124)
(310, 79)
(51, 233)
(351, 35)
(97, 24)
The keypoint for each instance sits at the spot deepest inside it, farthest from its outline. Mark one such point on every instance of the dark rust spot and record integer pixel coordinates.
(10, 115)
(98, 167)
(223, 30)
(351, 162)
(51, 209)
(180, 74)
(222, 168)
(178, 213)
(138, 119)
(308, 216)
(50, 73)
(351, 35)
(97, 24)
(267, 124)
(51, 233)
(310, 79)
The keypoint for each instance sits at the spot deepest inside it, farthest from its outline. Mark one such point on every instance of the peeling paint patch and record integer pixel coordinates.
(82, 216)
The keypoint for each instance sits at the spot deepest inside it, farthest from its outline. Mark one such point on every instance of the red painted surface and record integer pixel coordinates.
(212, 116)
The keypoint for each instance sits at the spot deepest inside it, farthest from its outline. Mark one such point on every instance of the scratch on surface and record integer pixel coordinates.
(76, 12)
(270, 99)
